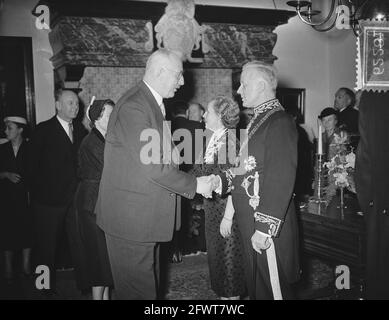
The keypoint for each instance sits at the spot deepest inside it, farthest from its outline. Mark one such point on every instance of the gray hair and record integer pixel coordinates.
(160, 58)
(264, 70)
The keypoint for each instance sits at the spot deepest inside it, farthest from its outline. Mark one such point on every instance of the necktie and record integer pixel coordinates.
(162, 106)
(71, 131)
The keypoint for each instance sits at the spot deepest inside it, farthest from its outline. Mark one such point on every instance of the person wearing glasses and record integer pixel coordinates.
(136, 206)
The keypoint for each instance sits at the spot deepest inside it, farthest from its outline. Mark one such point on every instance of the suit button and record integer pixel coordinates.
(172, 194)
(385, 211)
(371, 204)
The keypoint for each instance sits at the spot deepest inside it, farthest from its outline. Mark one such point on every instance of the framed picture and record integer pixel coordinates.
(293, 100)
(373, 56)
(16, 79)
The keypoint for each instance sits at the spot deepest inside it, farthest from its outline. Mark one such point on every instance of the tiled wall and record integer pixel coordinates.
(209, 83)
(108, 82)
(112, 82)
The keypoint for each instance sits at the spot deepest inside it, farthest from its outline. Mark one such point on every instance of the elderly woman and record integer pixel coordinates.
(15, 226)
(90, 166)
(333, 136)
(222, 237)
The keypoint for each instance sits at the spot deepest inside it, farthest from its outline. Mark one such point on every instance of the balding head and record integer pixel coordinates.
(66, 104)
(164, 72)
(195, 111)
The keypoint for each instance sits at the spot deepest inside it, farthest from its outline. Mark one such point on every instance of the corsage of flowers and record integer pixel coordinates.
(250, 163)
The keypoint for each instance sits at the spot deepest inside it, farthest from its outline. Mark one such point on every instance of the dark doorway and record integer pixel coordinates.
(16, 79)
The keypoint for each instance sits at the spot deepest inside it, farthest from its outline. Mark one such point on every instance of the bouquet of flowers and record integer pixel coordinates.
(341, 168)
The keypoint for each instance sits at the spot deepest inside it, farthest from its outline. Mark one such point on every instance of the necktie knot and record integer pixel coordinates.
(163, 110)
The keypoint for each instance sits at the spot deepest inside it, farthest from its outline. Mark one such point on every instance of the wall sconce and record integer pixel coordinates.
(357, 9)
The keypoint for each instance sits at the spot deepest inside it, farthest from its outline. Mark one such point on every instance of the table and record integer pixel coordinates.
(335, 240)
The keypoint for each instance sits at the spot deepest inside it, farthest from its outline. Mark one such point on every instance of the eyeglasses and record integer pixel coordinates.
(178, 74)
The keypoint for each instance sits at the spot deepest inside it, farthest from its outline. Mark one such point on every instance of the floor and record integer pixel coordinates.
(188, 280)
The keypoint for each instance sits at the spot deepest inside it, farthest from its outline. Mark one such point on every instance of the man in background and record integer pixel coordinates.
(347, 115)
(195, 112)
(188, 117)
(53, 166)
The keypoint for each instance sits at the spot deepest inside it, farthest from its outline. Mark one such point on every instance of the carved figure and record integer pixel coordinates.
(177, 30)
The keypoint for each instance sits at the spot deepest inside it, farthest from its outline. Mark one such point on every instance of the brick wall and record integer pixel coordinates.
(202, 85)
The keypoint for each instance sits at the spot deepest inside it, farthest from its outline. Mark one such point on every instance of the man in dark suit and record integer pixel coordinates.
(347, 116)
(181, 124)
(262, 188)
(372, 185)
(53, 163)
(137, 198)
(193, 124)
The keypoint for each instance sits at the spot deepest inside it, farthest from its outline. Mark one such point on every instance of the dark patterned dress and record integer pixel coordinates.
(224, 254)
(95, 258)
(16, 219)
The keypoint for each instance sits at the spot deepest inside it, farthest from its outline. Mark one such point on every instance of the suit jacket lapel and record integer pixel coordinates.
(169, 149)
(62, 130)
(152, 102)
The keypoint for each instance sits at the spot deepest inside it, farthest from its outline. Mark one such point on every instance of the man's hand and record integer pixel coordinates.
(260, 242)
(216, 183)
(204, 186)
(13, 177)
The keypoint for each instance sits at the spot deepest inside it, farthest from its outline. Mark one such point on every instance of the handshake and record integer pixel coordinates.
(207, 184)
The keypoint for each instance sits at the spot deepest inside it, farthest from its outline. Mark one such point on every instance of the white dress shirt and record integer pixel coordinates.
(65, 126)
(157, 97)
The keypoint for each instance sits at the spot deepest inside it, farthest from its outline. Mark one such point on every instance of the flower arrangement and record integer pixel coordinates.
(341, 168)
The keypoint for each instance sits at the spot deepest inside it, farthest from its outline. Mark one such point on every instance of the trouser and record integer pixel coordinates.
(48, 226)
(258, 276)
(135, 268)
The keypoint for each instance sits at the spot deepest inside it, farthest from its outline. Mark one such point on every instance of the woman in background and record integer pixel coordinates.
(90, 166)
(222, 236)
(333, 135)
(15, 226)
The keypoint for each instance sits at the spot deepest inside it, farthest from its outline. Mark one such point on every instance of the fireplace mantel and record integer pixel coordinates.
(119, 33)
(154, 10)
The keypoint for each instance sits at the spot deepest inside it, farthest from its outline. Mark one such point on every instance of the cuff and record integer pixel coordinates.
(218, 190)
(264, 234)
(267, 224)
(226, 179)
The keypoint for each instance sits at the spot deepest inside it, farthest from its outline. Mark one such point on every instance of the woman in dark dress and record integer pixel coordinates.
(222, 236)
(90, 166)
(15, 226)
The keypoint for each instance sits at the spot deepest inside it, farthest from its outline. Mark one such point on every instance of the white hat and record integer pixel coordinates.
(20, 120)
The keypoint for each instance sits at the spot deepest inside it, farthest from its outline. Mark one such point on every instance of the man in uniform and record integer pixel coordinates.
(262, 188)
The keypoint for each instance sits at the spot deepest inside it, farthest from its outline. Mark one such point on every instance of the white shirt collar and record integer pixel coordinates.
(342, 109)
(64, 124)
(156, 95)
